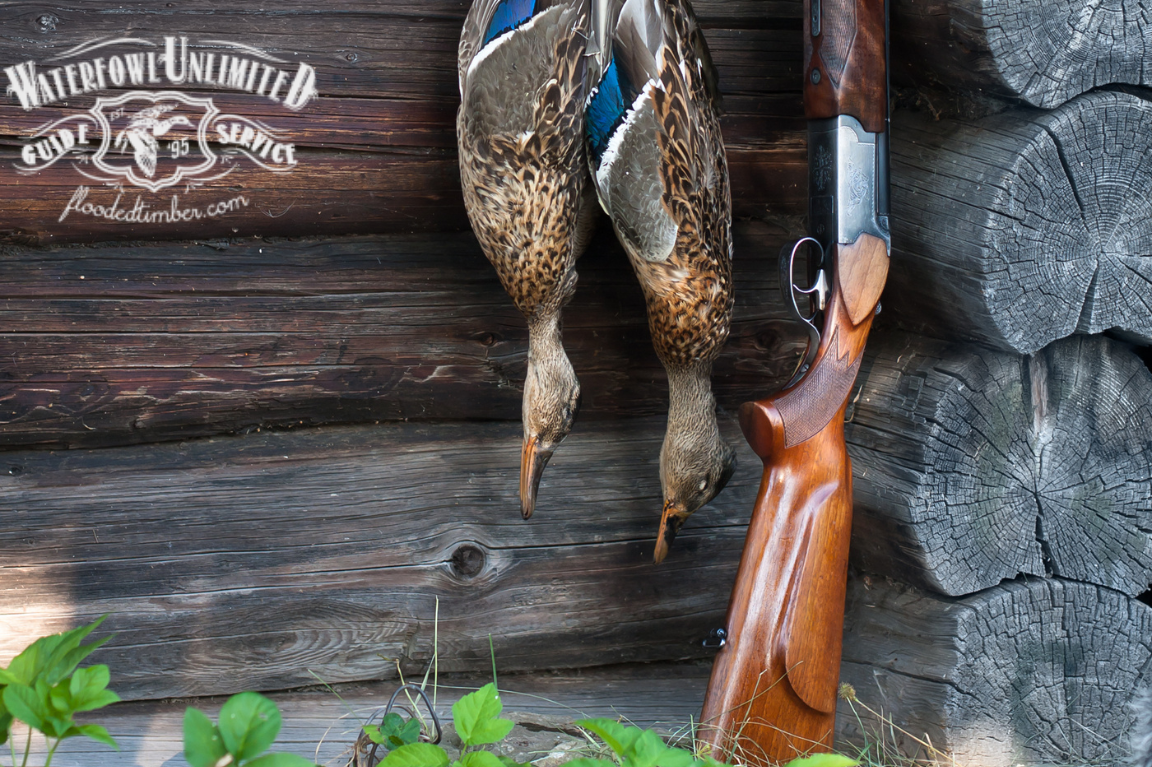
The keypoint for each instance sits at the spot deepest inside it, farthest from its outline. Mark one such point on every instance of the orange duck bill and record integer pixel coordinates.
(670, 523)
(532, 463)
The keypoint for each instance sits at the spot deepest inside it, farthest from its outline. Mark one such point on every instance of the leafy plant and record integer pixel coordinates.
(394, 731)
(43, 688)
(476, 718)
(635, 747)
(249, 723)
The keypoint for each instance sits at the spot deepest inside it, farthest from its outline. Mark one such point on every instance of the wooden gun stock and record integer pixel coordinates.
(772, 694)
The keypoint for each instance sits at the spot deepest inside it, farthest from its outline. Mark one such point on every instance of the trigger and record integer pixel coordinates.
(821, 289)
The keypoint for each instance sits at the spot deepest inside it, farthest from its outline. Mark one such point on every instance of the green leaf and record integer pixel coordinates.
(475, 717)
(99, 700)
(480, 759)
(618, 737)
(823, 760)
(24, 704)
(416, 755)
(410, 732)
(249, 723)
(373, 733)
(646, 749)
(677, 757)
(52, 658)
(5, 726)
(98, 733)
(585, 762)
(280, 760)
(203, 746)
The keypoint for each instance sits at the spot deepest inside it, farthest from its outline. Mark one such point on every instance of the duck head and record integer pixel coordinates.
(551, 401)
(695, 462)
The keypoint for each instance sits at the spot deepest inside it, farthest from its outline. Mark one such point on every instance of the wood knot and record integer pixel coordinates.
(467, 561)
(47, 22)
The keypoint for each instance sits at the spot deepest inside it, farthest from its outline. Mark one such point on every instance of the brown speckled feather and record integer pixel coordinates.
(524, 190)
(661, 174)
(690, 296)
(520, 132)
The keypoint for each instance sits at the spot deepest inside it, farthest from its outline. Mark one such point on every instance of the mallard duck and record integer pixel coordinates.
(658, 163)
(523, 170)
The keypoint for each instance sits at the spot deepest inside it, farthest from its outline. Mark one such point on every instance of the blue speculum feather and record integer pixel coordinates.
(509, 15)
(607, 109)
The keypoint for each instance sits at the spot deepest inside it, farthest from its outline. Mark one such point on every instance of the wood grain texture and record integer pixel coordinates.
(376, 151)
(128, 344)
(973, 466)
(1024, 227)
(1032, 671)
(846, 64)
(1043, 52)
(241, 563)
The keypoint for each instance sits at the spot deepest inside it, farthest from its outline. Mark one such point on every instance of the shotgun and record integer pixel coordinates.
(772, 694)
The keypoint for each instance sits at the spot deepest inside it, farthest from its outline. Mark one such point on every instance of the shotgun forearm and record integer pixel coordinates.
(772, 695)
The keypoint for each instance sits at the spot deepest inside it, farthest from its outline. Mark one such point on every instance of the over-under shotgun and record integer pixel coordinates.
(772, 695)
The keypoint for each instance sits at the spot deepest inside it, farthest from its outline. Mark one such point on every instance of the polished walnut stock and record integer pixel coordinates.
(772, 695)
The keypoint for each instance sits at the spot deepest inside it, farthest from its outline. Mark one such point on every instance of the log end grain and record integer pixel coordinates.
(1026, 226)
(972, 466)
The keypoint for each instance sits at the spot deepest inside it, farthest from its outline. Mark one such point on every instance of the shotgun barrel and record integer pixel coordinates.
(772, 694)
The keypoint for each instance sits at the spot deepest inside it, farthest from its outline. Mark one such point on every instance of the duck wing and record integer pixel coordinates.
(659, 165)
(522, 80)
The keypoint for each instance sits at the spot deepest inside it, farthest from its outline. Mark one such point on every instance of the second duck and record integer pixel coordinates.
(660, 172)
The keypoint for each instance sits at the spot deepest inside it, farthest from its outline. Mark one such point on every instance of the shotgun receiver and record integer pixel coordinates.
(772, 695)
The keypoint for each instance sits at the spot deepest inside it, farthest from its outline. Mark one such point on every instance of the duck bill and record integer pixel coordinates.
(532, 463)
(670, 523)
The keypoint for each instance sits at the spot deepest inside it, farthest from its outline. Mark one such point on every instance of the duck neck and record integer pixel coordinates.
(691, 405)
(544, 339)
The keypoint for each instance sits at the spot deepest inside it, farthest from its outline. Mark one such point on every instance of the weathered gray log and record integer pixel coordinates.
(1026, 226)
(117, 344)
(1031, 671)
(241, 563)
(1042, 51)
(973, 466)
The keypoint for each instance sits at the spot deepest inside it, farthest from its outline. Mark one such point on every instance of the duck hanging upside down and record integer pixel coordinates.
(524, 174)
(658, 162)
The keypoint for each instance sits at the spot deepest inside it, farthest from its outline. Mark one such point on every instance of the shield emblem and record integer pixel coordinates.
(154, 140)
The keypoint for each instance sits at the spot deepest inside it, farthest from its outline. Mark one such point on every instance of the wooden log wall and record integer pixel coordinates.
(376, 151)
(1036, 671)
(1042, 52)
(298, 533)
(268, 442)
(1000, 428)
(1027, 225)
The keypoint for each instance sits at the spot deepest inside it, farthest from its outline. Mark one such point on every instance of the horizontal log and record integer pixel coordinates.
(1033, 671)
(1040, 51)
(119, 344)
(243, 563)
(376, 150)
(973, 466)
(1026, 226)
